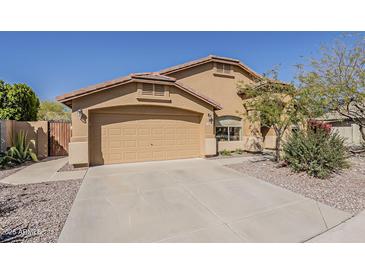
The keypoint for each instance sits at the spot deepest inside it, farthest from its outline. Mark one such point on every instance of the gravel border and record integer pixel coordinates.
(35, 213)
(345, 191)
(234, 155)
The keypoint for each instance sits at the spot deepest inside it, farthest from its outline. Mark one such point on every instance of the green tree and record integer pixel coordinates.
(53, 111)
(18, 102)
(276, 105)
(337, 79)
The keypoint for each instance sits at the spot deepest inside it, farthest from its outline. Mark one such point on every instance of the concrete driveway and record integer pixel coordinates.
(193, 200)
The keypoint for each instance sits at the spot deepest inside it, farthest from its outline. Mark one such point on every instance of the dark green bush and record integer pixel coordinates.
(317, 152)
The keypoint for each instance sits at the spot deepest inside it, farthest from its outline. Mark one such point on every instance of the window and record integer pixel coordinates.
(228, 128)
(234, 133)
(223, 68)
(153, 89)
(228, 133)
(221, 133)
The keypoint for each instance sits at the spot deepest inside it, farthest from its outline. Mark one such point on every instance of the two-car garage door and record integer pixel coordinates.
(148, 134)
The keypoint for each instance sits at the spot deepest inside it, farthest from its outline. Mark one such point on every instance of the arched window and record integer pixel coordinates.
(228, 128)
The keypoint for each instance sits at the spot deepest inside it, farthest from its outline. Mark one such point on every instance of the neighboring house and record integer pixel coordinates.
(346, 128)
(190, 110)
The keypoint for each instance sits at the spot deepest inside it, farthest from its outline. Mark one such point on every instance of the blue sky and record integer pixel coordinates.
(53, 63)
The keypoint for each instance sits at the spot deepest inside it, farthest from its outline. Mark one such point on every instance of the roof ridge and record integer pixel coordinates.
(206, 59)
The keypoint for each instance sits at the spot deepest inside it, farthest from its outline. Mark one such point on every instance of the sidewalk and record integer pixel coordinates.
(351, 231)
(43, 171)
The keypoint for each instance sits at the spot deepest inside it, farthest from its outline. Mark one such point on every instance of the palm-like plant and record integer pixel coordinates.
(19, 152)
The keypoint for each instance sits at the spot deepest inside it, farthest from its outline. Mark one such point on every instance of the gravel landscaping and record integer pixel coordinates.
(345, 191)
(232, 155)
(35, 212)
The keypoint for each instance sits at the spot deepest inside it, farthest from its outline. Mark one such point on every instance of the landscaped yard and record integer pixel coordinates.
(36, 212)
(345, 191)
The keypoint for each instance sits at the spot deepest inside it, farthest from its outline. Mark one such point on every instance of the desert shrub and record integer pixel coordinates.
(238, 151)
(315, 150)
(3, 160)
(225, 153)
(19, 152)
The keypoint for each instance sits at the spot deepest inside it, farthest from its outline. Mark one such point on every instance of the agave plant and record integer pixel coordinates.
(20, 151)
(3, 160)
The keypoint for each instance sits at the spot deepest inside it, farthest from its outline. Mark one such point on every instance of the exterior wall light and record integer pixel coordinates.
(81, 116)
(80, 113)
(210, 118)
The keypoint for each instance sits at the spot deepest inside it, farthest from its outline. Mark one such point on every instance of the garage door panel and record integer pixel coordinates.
(123, 138)
(115, 144)
(144, 132)
(144, 143)
(130, 144)
(130, 156)
(144, 156)
(130, 131)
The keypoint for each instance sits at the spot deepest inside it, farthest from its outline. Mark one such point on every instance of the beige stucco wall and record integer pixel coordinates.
(6, 134)
(128, 95)
(231, 145)
(37, 135)
(223, 89)
(349, 131)
(79, 153)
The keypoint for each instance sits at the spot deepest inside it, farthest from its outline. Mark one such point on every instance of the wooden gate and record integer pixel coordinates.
(59, 135)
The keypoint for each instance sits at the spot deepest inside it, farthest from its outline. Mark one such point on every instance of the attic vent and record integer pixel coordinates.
(147, 89)
(220, 67)
(153, 90)
(159, 90)
(227, 68)
(223, 68)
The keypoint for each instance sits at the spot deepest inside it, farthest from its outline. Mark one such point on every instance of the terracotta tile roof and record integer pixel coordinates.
(210, 58)
(89, 89)
(67, 98)
(154, 76)
(113, 83)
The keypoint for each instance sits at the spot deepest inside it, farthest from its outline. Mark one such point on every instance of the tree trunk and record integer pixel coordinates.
(362, 132)
(277, 147)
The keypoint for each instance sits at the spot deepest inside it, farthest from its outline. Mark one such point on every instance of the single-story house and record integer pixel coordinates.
(185, 111)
